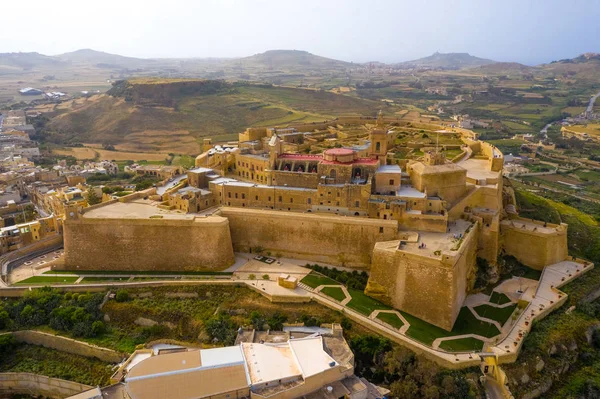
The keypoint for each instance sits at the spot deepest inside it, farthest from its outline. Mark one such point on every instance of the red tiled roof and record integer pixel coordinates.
(359, 161)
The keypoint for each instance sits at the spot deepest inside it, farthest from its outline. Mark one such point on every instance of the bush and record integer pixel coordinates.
(122, 296)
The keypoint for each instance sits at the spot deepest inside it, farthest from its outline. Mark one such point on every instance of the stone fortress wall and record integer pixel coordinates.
(198, 243)
(534, 243)
(346, 241)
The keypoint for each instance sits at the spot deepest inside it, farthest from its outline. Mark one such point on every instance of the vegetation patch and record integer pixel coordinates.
(499, 298)
(23, 358)
(48, 280)
(364, 304)
(391, 318)
(314, 280)
(335, 293)
(501, 315)
(462, 345)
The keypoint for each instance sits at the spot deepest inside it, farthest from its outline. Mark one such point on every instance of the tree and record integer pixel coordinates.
(220, 328)
(92, 198)
(258, 320)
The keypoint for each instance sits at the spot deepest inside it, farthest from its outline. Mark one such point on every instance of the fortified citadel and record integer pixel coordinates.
(333, 192)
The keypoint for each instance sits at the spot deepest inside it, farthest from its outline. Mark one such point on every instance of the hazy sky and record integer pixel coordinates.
(527, 31)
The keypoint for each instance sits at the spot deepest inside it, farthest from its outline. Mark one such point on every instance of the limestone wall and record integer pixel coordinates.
(318, 238)
(534, 248)
(67, 345)
(200, 243)
(35, 384)
(431, 288)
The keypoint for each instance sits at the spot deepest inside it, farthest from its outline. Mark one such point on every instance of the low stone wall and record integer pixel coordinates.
(34, 384)
(68, 345)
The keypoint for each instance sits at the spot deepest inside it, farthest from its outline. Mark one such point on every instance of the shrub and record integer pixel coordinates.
(122, 296)
(265, 276)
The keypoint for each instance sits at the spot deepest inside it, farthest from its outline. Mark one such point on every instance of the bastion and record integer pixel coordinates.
(138, 236)
(426, 274)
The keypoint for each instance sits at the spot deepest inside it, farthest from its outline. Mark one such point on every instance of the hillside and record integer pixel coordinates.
(291, 59)
(28, 60)
(447, 61)
(101, 59)
(506, 68)
(174, 115)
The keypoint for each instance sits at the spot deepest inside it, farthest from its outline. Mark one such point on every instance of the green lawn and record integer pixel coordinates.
(91, 279)
(48, 280)
(335, 293)
(314, 280)
(499, 298)
(422, 331)
(391, 318)
(364, 304)
(467, 323)
(130, 273)
(462, 345)
(501, 315)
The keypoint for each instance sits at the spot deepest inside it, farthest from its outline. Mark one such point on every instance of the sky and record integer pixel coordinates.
(525, 31)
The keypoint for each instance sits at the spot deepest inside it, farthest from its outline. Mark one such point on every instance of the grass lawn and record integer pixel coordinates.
(462, 345)
(467, 323)
(130, 273)
(48, 280)
(335, 293)
(391, 318)
(91, 279)
(501, 315)
(314, 280)
(499, 298)
(364, 304)
(423, 331)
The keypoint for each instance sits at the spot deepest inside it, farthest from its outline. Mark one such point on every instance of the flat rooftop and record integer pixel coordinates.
(409, 192)
(444, 242)
(478, 169)
(136, 209)
(528, 226)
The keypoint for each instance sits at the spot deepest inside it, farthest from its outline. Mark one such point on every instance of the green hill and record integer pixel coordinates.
(174, 115)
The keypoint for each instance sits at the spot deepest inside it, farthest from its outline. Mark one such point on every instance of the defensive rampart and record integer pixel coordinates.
(431, 288)
(190, 243)
(347, 241)
(534, 243)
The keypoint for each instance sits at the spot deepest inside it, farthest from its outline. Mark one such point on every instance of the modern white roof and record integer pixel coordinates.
(311, 356)
(268, 362)
(217, 357)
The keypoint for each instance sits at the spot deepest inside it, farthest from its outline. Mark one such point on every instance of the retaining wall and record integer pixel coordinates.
(34, 384)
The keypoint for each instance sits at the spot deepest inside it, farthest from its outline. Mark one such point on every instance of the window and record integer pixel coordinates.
(378, 146)
(338, 193)
(243, 196)
(309, 201)
(380, 230)
(291, 200)
(256, 198)
(357, 204)
(228, 195)
(332, 173)
(391, 182)
(269, 198)
(236, 195)
(337, 203)
(280, 198)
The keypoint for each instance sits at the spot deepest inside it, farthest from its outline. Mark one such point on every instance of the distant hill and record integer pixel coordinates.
(584, 66)
(506, 68)
(28, 60)
(172, 115)
(101, 59)
(292, 59)
(447, 61)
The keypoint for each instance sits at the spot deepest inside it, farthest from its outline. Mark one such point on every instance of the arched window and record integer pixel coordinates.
(378, 146)
(332, 173)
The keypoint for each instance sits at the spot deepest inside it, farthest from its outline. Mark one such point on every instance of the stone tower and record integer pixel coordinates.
(379, 140)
